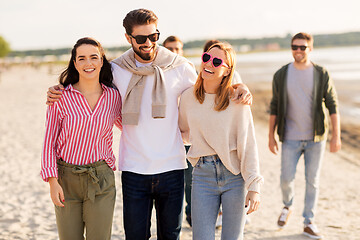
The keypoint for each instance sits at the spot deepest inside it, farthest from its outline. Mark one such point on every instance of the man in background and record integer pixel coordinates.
(175, 45)
(301, 91)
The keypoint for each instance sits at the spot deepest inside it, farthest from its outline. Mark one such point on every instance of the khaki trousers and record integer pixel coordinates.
(90, 193)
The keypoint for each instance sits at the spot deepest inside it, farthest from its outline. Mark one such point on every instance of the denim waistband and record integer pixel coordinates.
(210, 158)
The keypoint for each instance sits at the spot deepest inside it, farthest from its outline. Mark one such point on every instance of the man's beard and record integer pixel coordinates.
(145, 56)
(300, 59)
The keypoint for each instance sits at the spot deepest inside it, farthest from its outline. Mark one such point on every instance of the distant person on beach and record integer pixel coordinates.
(174, 44)
(150, 80)
(77, 158)
(301, 91)
(223, 148)
(1, 71)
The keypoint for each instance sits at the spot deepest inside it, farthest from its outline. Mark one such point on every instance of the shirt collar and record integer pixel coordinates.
(72, 89)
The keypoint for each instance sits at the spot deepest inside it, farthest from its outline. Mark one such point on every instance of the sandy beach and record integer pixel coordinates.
(26, 210)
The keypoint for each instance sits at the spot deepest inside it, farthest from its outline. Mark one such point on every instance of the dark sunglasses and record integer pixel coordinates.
(141, 39)
(295, 47)
(216, 62)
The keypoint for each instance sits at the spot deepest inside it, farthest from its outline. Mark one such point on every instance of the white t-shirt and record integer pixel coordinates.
(154, 145)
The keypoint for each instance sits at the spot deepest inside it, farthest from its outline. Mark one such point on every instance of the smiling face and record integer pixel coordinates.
(88, 62)
(214, 74)
(299, 55)
(144, 52)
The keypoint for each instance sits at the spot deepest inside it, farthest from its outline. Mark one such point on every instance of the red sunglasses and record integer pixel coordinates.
(216, 62)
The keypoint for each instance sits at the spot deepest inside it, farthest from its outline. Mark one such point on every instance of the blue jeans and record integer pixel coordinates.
(313, 155)
(139, 194)
(213, 185)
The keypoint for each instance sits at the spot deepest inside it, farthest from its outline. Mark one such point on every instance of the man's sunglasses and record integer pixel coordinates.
(216, 62)
(295, 47)
(141, 39)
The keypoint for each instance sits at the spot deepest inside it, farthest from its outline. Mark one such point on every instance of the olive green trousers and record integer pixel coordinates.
(89, 192)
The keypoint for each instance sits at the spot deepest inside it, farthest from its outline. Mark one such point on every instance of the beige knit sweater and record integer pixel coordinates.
(229, 133)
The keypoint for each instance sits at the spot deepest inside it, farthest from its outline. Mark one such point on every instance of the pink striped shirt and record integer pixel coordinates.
(78, 135)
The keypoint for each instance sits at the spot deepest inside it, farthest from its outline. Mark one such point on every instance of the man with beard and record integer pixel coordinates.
(150, 79)
(301, 91)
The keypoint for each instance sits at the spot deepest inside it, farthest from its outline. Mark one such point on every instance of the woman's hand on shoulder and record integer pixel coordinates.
(252, 198)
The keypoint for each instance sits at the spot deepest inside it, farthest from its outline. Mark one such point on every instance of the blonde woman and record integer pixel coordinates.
(223, 148)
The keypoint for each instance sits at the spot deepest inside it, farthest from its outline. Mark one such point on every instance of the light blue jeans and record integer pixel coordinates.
(313, 155)
(213, 185)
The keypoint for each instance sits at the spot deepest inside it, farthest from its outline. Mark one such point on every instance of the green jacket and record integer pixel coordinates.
(324, 96)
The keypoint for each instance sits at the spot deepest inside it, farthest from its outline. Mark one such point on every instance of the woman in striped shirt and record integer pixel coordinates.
(77, 157)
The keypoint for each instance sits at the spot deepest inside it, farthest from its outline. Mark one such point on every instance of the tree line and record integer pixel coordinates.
(4, 47)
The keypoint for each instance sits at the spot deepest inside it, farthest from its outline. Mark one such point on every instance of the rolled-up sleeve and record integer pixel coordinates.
(48, 158)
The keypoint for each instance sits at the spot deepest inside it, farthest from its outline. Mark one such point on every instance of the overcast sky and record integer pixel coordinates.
(39, 24)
